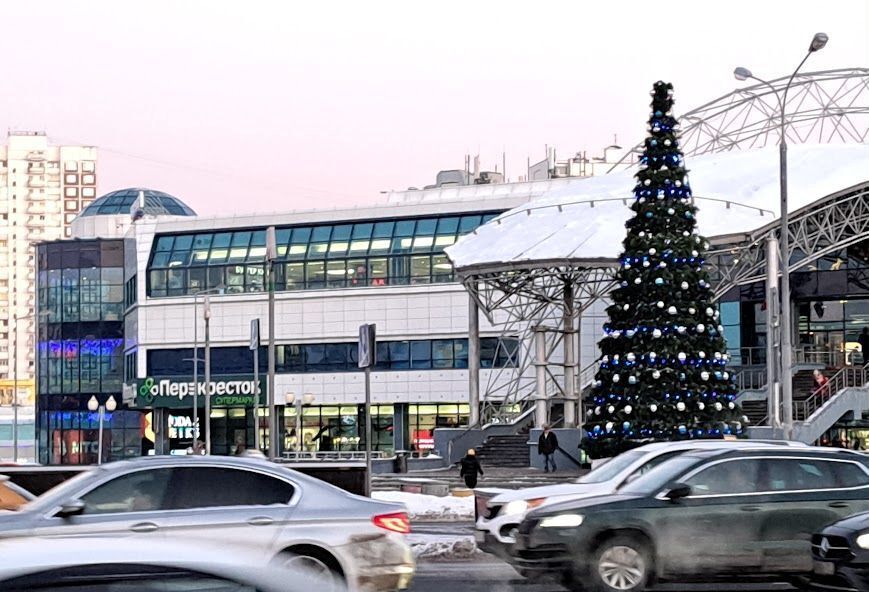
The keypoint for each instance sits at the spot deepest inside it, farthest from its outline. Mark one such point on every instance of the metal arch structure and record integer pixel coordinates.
(522, 298)
(820, 229)
(824, 107)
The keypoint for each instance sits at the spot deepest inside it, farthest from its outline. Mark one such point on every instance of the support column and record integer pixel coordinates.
(568, 333)
(541, 404)
(580, 412)
(473, 362)
(772, 335)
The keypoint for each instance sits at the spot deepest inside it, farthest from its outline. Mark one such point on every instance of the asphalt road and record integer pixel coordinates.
(489, 574)
(492, 575)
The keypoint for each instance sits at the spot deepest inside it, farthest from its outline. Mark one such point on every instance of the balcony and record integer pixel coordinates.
(32, 182)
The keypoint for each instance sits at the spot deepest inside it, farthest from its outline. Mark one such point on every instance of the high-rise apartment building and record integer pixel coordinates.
(42, 188)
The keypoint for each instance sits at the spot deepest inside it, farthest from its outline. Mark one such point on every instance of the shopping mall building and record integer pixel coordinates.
(121, 305)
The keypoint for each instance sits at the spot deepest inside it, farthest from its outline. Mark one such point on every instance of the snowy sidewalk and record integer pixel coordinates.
(430, 508)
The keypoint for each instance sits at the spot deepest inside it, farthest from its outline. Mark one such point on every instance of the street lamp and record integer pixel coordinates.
(110, 406)
(216, 290)
(299, 403)
(818, 43)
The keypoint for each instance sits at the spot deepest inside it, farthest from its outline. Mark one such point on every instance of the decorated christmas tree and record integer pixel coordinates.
(663, 371)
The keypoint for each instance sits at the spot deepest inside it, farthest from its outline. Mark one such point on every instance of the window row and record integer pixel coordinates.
(72, 295)
(75, 366)
(340, 357)
(311, 275)
(429, 235)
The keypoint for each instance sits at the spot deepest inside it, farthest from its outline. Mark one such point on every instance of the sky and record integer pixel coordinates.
(256, 105)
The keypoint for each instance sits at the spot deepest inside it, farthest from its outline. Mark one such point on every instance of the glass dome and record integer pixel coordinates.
(157, 203)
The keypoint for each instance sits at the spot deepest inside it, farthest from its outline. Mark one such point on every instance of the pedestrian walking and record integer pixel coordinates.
(821, 386)
(547, 445)
(470, 468)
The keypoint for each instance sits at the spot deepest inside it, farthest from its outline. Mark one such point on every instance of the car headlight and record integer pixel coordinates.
(521, 506)
(562, 521)
(863, 541)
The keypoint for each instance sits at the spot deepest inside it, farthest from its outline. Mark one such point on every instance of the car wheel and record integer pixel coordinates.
(321, 567)
(621, 564)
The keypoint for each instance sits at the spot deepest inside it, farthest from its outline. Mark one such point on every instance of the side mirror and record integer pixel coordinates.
(677, 491)
(71, 508)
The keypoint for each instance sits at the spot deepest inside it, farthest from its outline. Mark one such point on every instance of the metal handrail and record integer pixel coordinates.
(844, 378)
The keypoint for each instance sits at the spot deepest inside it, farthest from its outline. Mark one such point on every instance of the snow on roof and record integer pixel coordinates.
(735, 192)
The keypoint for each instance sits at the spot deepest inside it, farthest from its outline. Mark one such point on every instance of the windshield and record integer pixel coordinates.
(658, 478)
(613, 468)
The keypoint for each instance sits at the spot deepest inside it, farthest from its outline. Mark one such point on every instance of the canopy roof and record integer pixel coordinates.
(583, 223)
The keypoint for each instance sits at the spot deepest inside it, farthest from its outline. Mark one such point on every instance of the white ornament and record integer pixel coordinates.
(701, 354)
(597, 410)
(721, 328)
(725, 376)
(609, 426)
(684, 285)
(681, 329)
(701, 406)
(616, 378)
(692, 310)
(652, 251)
(672, 310)
(701, 327)
(628, 409)
(667, 142)
(686, 234)
(617, 334)
(652, 356)
(697, 239)
(638, 281)
(627, 266)
(662, 264)
(642, 233)
(605, 359)
(653, 407)
(630, 332)
(631, 357)
(610, 409)
(656, 333)
(718, 407)
(647, 182)
(717, 355)
(660, 304)
(671, 211)
(656, 374)
(632, 380)
(680, 406)
(694, 253)
(626, 307)
(682, 357)
(646, 263)
(731, 405)
(709, 312)
(704, 375)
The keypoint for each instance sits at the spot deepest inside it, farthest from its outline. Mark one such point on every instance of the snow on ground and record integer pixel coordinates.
(435, 546)
(430, 508)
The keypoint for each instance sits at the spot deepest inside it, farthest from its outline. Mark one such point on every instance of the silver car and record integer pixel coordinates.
(280, 514)
(122, 565)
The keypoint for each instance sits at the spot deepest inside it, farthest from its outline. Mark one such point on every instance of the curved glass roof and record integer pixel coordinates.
(157, 203)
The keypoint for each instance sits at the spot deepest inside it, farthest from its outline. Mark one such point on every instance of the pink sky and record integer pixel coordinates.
(258, 106)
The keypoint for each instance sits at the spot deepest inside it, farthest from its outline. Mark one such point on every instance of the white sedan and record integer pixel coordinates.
(497, 523)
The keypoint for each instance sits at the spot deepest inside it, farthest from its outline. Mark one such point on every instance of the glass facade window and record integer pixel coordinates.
(340, 357)
(423, 419)
(366, 253)
(326, 428)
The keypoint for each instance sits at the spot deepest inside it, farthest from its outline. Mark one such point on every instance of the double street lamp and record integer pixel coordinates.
(110, 406)
(785, 354)
(299, 403)
(207, 316)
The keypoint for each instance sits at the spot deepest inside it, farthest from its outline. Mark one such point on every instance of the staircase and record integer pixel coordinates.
(504, 451)
(756, 411)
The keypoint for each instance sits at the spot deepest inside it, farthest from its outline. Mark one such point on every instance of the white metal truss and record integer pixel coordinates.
(823, 107)
(826, 107)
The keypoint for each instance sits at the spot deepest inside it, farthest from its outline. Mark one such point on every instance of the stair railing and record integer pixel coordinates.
(846, 377)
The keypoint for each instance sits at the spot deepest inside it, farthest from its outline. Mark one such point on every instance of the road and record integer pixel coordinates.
(488, 574)
(492, 575)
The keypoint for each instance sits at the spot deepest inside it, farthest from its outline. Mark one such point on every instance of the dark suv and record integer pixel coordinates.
(703, 516)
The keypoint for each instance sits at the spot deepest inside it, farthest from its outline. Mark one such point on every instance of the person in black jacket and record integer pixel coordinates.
(547, 445)
(470, 468)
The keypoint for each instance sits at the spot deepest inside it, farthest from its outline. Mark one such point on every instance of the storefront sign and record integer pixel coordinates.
(225, 391)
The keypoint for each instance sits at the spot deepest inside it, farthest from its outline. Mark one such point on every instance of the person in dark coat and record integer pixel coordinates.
(547, 445)
(863, 340)
(470, 468)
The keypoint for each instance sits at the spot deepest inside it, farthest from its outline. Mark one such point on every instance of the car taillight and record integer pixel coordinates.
(396, 522)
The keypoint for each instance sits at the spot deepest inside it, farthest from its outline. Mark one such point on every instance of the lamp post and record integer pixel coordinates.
(110, 406)
(196, 295)
(785, 353)
(299, 403)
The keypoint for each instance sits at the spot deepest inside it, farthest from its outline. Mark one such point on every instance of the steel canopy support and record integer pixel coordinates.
(541, 403)
(568, 339)
(473, 362)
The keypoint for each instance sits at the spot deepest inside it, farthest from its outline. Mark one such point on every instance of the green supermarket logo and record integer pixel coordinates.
(151, 390)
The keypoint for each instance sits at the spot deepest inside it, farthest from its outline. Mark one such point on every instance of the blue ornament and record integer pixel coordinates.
(649, 214)
(683, 429)
(597, 429)
(659, 281)
(654, 142)
(626, 425)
